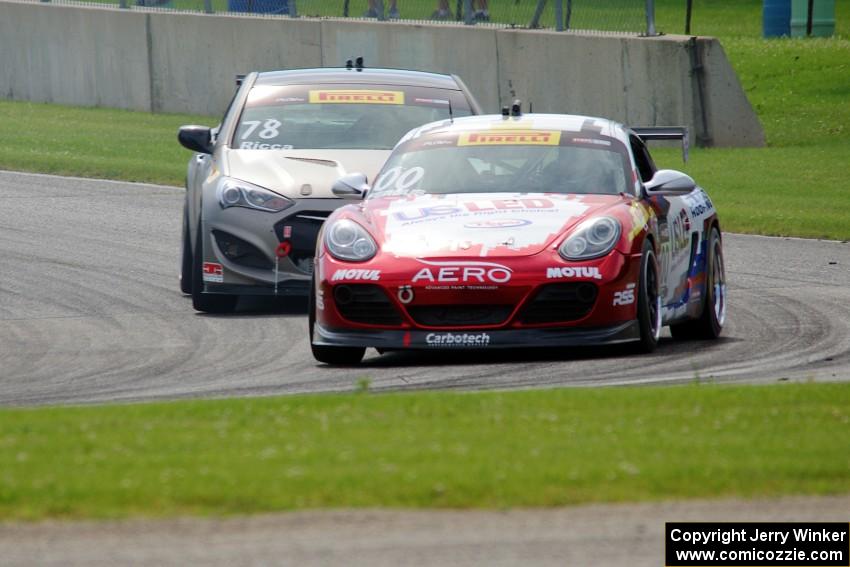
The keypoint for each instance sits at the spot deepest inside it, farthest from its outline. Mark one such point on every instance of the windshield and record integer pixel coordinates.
(370, 117)
(506, 162)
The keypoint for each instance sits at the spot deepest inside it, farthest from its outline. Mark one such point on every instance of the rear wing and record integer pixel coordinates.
(666, 133)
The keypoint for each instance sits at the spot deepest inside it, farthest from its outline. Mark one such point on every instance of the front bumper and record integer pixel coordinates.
(454, 340)
(392, 305)
(260, 233)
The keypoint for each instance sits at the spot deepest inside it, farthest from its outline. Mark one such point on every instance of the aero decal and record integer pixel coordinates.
(579, 272)
(463, 271)
(510, 138)
(213, 272)
(369, 275)
(349, 96)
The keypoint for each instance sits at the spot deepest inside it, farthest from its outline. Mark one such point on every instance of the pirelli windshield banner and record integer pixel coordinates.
(287, 95)
(355, 96)
(510, 137)
(757, 544)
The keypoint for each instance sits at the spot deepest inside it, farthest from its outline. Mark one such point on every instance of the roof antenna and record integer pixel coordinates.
(516, 108)
(451, 114)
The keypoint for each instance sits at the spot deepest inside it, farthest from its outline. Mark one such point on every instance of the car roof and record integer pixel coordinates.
(353, 76)
(564, 122)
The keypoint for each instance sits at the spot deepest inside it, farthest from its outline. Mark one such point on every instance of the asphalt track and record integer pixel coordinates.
(599, 534)
(90, 311)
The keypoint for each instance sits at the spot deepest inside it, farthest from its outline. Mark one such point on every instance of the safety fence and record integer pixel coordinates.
(625, 16)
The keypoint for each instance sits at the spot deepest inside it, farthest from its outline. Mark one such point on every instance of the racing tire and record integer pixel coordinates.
(186, 259)
(207, 302)
(332, 355)
(710, 322)
(649, 301)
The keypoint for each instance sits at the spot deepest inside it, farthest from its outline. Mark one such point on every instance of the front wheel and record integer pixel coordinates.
(649, 301)
(710, 322)
(335, 356)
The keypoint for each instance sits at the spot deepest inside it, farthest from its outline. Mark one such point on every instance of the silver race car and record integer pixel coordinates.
(259, 187)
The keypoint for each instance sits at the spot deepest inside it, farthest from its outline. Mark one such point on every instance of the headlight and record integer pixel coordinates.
(347, 240)
(592, 239)
(235, 193)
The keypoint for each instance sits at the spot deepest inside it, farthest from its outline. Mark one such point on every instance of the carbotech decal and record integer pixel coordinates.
(364, 275)
(577, 272)
(457, 339)
(349, 96)
(510, 138)
(463, 272)
(213, 273)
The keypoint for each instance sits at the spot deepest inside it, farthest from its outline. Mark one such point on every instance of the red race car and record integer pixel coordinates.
(517, 231)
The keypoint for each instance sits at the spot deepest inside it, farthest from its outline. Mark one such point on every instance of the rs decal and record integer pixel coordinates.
(625, 297)
(510, 138)
(349, 96)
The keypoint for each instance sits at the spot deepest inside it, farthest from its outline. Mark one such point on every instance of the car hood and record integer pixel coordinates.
(288, 171)
(463, 225)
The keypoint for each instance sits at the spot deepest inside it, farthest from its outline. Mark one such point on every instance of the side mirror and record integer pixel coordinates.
(670, 181)
(196, 138)
(351, 186)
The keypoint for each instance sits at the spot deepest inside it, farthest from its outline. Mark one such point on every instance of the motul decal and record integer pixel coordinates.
(567, 272)
(213, 273)
(367, 275)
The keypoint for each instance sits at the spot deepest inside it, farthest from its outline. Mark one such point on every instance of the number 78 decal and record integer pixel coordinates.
(270, 129)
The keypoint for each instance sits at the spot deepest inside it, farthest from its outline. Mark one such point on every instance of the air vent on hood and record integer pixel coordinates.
(317, 161)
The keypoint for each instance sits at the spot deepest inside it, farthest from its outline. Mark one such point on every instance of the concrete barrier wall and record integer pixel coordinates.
(177, 62)
(72, 55)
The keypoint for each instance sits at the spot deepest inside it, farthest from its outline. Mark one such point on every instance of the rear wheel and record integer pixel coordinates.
(649, 301)
(341, 356)
(207, 302)
(710, 322)
(186, 258)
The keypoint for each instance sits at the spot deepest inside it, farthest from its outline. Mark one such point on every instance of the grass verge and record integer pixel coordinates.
(490, 450)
